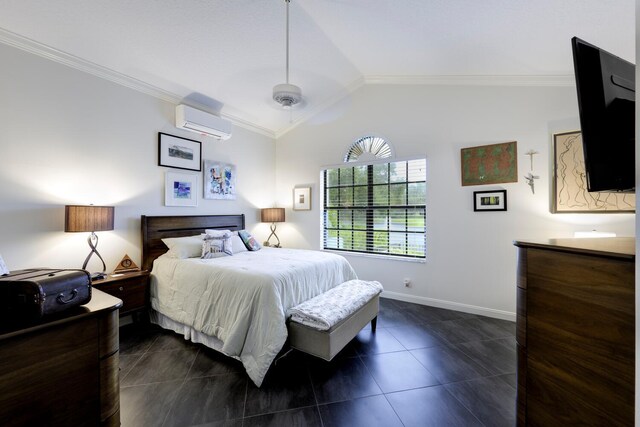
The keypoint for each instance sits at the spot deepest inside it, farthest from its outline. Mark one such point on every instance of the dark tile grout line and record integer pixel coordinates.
(315, 396)
(171, 405)
(244, 406)
(141, 355)
(279, 411)
(383, 393)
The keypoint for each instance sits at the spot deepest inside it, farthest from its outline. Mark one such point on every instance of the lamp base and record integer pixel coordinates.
(273, 233)
(93, 244)
(98, 276)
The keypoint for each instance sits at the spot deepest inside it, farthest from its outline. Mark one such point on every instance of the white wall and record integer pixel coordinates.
(68, 137)
(471, 261)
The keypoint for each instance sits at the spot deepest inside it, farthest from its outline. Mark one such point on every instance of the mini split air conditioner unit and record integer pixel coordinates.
(193, 120)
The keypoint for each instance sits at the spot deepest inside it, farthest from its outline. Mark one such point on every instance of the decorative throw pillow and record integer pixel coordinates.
(249, 241)
(217, 245)
(184, 247)
(237, 244)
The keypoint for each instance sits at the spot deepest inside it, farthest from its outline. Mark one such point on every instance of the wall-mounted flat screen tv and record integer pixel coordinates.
(606, 100)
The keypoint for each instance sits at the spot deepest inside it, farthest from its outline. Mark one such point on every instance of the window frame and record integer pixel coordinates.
(370, 208)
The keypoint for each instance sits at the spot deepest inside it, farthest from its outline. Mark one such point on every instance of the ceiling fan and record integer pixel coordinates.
(287, 94)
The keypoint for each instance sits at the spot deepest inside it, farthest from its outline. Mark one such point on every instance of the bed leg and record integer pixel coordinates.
(374, 322)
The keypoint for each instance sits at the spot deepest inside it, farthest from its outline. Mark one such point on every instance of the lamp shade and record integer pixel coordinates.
(88, 218)
(272, 215)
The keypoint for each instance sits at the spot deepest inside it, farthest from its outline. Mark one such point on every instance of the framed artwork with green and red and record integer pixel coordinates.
(490, 164)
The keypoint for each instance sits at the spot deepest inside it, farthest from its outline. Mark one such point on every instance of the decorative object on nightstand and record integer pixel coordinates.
(272, 215)
(126, 265)
(90, 219)
(132, 288)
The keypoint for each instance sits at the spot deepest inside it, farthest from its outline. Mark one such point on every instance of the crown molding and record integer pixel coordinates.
(44, 51)
(556, 80)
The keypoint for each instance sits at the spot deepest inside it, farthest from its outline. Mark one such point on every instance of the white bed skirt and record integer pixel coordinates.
(189, 333)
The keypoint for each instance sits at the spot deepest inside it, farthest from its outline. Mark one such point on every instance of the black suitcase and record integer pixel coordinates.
(28, 295)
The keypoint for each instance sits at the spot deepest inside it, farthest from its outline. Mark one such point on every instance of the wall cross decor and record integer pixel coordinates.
(530, 177)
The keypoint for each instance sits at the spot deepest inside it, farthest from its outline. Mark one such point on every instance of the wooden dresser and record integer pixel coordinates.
(576, 332)
(63, 371)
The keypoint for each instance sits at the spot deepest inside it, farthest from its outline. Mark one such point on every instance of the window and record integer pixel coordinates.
(377, 208)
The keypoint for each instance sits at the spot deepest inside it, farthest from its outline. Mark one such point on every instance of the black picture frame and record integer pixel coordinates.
(490, 201)
(179, 153)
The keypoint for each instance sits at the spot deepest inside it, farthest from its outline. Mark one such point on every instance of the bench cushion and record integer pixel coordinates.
(334, 306)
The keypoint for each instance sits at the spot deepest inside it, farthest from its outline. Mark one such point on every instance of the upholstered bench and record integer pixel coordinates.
(324, 325)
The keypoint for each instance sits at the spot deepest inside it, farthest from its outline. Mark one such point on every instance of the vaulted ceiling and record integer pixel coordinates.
(227, 55)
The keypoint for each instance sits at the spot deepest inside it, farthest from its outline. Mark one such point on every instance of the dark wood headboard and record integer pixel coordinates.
(156, 228)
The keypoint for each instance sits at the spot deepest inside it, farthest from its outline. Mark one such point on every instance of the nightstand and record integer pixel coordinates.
(132, 288)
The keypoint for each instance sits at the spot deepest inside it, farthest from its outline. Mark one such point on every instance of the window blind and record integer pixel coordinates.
(377, 208)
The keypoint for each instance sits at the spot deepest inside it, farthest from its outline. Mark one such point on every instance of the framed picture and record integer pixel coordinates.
(219, 180)
(490, 164)
(180, 153)
(569, 182)
(302, 199)
(180, 189)
(495, 200)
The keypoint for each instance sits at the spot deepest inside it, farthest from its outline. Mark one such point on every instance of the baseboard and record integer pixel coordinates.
(473, 309)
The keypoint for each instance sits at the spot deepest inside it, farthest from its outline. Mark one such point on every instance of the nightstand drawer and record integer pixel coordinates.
(131, 289)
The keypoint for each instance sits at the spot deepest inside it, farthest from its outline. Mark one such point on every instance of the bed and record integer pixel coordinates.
(235, 304)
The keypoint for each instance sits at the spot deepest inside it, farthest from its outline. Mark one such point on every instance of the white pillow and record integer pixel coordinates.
(212, 232)
(237, 244)
(184, 247)
(215, 246)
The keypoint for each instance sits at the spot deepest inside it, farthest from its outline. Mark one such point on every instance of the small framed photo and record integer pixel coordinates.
(179, 153)
(495, 200)
(181, 189)
(302, 199)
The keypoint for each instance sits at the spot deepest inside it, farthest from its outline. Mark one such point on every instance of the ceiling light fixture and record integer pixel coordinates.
(286, 94)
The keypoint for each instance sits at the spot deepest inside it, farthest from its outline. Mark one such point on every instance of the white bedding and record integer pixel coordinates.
(241, 300)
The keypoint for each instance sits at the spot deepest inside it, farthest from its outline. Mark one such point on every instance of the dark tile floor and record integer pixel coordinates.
(424, 366)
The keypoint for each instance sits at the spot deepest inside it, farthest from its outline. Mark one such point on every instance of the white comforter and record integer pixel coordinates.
(242, 299)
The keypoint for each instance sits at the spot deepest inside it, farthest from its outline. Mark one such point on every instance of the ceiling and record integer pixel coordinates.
(228, 55)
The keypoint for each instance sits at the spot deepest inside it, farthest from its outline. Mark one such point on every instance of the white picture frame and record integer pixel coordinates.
(219, 180)
(302, 199)
(181, 189)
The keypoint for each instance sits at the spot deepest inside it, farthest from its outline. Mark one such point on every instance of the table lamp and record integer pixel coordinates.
(89, 219)
(272, 215)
